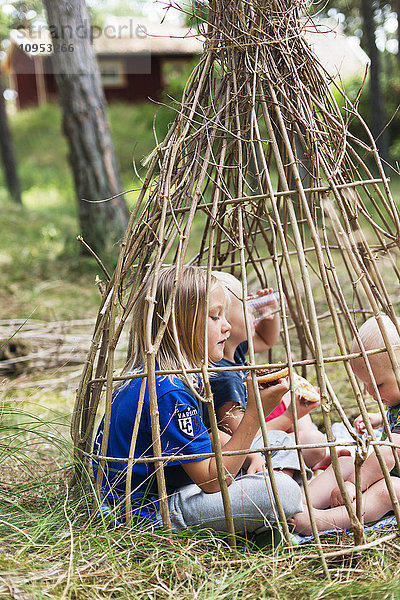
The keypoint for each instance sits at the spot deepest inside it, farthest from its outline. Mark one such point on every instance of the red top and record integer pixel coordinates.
(279, 410)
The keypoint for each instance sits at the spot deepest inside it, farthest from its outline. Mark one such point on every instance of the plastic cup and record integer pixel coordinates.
(259, 305)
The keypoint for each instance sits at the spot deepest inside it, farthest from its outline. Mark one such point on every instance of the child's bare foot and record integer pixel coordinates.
(301, 522)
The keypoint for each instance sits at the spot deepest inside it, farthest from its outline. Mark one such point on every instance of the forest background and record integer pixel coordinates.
(49, 548)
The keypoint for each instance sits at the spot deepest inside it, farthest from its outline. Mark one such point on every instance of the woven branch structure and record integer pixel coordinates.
(260, 173)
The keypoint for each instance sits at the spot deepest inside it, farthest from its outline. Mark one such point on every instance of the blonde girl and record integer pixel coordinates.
(194, 491)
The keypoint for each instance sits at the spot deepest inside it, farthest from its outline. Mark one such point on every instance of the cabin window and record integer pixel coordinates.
(112, 73)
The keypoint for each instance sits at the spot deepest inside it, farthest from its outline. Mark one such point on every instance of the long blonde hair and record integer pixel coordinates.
(187, 311)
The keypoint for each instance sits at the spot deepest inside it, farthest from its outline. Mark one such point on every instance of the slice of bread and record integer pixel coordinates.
(266, 377)
(305, 389)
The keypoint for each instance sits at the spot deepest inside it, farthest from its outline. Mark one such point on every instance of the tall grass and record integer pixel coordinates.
(50, 550)
(53, 547)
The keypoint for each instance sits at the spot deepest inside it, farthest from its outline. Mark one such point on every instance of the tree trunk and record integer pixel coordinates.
(85, 124)
(7, 152)
(377, 102)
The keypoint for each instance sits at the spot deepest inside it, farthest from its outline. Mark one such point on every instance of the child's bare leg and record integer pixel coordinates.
(321, 486)
(310, 435)
(326, 461)
(318, 457)
(305, 423)
(376, 503)
(286, 471)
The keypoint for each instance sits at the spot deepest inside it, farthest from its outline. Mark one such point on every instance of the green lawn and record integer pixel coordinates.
(42, 269)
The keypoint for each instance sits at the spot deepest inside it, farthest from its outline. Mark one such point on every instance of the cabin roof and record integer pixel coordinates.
(338, 53)
(122, 35)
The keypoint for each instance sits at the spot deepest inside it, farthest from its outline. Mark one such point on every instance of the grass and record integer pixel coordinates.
(42, 272)
(49, 549)
(42, 151)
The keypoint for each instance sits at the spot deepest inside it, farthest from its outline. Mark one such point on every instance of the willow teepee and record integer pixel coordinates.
(261, 175)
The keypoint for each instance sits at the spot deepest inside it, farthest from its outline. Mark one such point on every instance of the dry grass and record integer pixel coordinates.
(49, 552)
(50, 549)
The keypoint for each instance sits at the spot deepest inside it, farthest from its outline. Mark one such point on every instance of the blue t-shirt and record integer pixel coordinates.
(182, 432)
(230, 386)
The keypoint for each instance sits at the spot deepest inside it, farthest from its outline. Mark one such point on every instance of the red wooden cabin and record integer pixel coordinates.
(133, 56)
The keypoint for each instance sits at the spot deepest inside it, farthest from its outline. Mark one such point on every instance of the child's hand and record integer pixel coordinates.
(374, 418)
(303, 407)
(270, 396)
(336, 496)
(270, 307)
(255, 463)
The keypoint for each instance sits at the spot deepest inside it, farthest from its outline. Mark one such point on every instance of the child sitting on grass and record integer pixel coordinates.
(194, 492)
(324, 491)
(229, 390)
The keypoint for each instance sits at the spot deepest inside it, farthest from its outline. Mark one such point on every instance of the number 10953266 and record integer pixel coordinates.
(47, 48)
